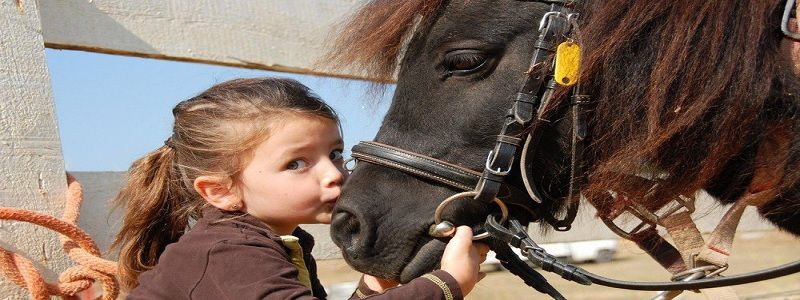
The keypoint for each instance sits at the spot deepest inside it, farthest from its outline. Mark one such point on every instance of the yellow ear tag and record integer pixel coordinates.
(568, 60)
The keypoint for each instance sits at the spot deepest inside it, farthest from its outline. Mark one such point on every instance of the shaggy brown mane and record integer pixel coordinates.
(372, 38)
(687, 87)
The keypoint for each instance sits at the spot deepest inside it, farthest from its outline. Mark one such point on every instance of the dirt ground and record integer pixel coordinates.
(752, 251)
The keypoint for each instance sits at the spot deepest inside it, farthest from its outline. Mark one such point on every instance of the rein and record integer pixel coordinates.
(522, 127)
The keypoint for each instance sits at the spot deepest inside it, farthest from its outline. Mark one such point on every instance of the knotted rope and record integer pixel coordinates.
(78, 245)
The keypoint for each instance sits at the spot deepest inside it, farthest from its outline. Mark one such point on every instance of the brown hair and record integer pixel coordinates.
(214, 134)
(688, 87)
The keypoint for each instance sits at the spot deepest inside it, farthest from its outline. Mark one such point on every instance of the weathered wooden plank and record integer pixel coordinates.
(30, 150)
(273, 35)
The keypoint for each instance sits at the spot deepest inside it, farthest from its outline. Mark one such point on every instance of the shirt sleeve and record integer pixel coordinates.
(250, 270)
(436, 285)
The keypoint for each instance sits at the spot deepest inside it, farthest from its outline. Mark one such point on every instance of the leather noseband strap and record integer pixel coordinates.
(416, 164)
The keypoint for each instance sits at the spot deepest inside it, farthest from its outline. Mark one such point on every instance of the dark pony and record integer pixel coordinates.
(688, 90)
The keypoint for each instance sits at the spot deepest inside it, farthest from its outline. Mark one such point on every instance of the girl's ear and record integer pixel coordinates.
(219, 192)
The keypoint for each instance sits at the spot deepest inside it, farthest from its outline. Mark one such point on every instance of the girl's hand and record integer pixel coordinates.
(379, 284)
(462, 259)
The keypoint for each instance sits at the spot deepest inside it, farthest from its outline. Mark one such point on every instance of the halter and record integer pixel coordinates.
(522, 127)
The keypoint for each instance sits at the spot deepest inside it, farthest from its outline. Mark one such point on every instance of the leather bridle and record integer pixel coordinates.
(522, 128)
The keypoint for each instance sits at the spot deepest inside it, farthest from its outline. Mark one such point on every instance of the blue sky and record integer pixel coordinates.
(112, 109)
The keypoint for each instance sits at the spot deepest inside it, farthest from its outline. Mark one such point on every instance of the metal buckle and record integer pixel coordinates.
(546, 18)
(499, 171)
(787, 14)
(442, 228)
(648, 219)
(571, 19)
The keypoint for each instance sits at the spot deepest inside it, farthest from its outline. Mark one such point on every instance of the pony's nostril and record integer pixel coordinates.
(346, 228)
(346, 223)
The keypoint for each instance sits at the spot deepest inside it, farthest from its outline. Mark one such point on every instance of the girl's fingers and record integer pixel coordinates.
(463, 236)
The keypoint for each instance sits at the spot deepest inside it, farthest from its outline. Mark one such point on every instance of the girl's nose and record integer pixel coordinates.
(332, 175)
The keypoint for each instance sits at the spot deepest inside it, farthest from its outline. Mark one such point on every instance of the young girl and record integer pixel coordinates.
(248, 161)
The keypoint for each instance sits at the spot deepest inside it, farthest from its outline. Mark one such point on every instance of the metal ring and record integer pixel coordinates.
(699, 270)
(347, 161)
(480, 236)
(437, 216)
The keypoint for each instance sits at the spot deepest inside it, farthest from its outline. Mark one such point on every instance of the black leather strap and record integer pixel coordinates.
(516, 266)
(526, 105)
(416, 164)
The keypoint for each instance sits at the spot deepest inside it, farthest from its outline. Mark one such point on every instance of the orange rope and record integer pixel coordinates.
(78, 245)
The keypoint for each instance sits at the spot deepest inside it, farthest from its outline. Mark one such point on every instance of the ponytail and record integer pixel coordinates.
(157, 213)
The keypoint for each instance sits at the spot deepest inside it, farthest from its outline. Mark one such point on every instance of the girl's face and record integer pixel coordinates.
(296, 175)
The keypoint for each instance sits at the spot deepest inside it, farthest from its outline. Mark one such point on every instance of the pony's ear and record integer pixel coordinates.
(218, 191)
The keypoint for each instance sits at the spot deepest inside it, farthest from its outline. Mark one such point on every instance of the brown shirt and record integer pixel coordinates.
(228, 257)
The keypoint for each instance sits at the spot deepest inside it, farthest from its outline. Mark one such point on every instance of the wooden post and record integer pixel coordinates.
(30, 151)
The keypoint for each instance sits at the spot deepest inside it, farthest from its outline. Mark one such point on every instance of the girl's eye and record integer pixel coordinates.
(296, 164)
(336, 155)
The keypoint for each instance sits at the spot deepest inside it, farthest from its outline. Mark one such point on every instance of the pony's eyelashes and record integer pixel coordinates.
(466, 63)
(464, 60)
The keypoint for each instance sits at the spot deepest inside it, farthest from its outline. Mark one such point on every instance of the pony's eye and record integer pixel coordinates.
(336, 155)
(296, 164)
(464, 62)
